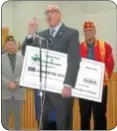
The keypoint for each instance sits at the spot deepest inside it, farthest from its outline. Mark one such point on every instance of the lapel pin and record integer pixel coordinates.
(60, 33)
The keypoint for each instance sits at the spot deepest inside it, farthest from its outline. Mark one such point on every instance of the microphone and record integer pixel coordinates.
(40, 39)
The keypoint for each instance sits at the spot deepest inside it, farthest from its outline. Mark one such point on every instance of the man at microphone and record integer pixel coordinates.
(66, 40)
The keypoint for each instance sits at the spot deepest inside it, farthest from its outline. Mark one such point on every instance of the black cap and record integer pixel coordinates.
(10, 38)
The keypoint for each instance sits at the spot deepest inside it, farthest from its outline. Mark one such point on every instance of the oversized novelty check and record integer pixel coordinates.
(89, 83)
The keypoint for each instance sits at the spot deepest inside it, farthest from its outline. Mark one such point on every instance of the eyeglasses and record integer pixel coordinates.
(12, 42)
(51, 11)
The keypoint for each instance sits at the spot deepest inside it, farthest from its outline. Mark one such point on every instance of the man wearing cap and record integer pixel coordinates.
(12, 93)
(99, 50)
(66, 40)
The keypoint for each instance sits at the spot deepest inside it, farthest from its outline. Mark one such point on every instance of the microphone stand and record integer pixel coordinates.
(41, 93)
(42, 96)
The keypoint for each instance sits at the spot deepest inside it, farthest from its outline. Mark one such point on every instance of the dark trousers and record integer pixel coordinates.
(51, 125)
(99, 112)
(63, 106)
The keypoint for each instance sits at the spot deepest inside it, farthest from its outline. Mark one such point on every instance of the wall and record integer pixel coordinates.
(16, 15)
(105, 26)
(8, 16)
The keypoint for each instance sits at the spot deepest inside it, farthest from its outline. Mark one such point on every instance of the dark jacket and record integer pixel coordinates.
(65, 41)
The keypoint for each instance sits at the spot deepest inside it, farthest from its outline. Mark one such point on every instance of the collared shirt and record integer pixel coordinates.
(90, 51)
(56, 29)
(12, 59)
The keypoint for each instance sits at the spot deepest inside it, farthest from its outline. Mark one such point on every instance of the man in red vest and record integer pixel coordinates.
(98, 50)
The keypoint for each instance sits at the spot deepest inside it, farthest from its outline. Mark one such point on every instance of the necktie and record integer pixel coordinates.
(12, 59)
(51, 35)
(91, 51)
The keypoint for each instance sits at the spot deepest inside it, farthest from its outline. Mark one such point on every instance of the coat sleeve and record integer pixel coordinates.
(20, 69)
(25, 43)
(31, 41)
(109, 60)
(5, 81)
(73, 59)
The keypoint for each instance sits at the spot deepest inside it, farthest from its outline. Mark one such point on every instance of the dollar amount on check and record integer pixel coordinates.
(89, 83)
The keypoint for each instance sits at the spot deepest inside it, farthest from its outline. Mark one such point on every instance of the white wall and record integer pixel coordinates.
(16, 15)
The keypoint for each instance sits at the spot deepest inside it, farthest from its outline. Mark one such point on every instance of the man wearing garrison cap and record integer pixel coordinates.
(12, 93)
(65, 40)
(98, 50)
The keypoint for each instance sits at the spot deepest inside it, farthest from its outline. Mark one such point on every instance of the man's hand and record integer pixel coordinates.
(66, 92)
(12, 85)
(32, 27)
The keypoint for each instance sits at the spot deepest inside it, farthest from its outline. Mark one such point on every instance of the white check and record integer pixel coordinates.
(89, 83)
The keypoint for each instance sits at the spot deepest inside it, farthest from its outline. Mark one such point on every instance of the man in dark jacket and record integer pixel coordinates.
(66, 40)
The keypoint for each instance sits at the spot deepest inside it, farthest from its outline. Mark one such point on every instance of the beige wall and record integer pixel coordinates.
(16, 15)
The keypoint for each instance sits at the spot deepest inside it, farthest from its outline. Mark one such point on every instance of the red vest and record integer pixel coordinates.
(99, 54)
